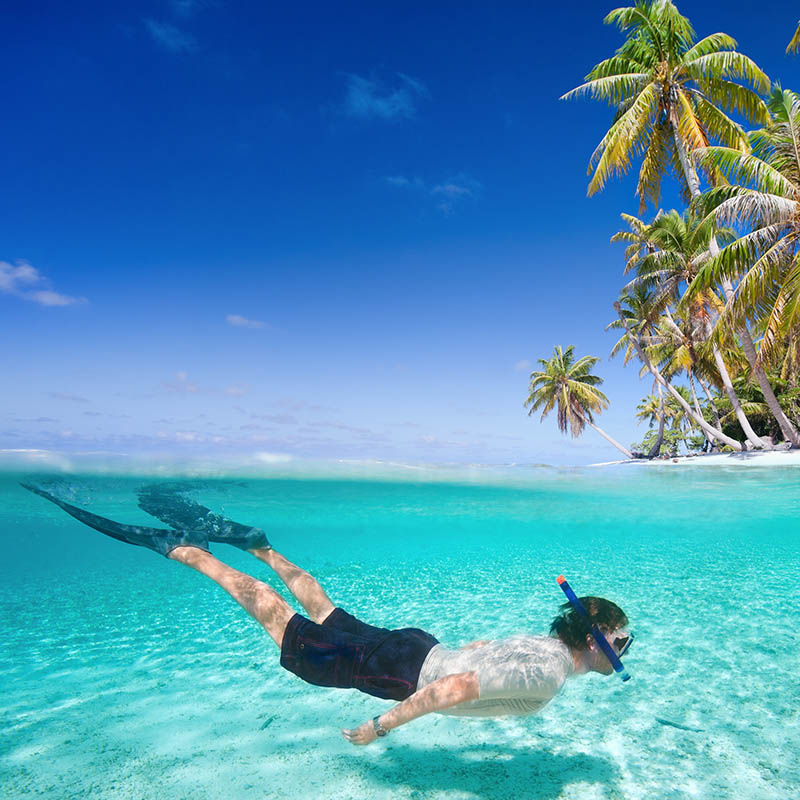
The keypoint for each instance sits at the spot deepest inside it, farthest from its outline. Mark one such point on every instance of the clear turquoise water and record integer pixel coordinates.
(126, 675)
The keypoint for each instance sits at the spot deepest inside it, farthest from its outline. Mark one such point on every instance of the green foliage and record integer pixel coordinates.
(671, 95)
(756, 409)
(680, 430)
(671, 444)
(764, 198)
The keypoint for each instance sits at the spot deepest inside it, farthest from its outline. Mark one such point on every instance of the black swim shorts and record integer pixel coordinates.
(346, 653)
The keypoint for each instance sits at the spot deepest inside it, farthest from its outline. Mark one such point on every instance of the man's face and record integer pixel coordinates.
(618, 639)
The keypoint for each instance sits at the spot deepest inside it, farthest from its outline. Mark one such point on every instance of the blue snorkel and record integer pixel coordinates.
(601, 640)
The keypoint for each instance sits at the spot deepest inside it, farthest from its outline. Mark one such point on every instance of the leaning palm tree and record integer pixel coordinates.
(794, 45)
(569, 387)
(638, 317)
(635, 338)
(641, 314)
(764, 195)
(678, 247)
(671, 95)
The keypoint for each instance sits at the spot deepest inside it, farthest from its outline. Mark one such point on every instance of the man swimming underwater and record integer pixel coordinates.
(330, 647)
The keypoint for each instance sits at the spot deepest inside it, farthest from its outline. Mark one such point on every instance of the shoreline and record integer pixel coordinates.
(759, 458)
(284, 466)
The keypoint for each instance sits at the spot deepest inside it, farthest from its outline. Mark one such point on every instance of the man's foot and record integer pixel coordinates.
(166, 502)
(157, 539)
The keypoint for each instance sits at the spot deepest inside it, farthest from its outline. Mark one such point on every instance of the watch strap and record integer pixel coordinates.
(379, 729)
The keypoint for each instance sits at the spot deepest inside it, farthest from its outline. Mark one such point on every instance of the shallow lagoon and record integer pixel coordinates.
(126, 675)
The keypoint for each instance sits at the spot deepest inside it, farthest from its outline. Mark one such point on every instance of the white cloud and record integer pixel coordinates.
(369, 99)
(169, 37)
(452, 190)
(27, 282)
(449, 193)
(188, 436)
(461, 187)
(236, 391)
(72, 398)
(239, 321)
(523, 365)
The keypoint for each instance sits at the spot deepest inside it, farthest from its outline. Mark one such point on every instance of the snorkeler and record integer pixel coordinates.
(330, 647)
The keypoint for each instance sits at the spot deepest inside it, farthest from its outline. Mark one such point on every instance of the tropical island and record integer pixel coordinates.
(711, 304)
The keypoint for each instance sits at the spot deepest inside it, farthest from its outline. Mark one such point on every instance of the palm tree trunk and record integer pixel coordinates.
(656, 448)
(613, 441)
(714, 409)
(699, 420)
(752, 437)
(787, 429)
(696, 401)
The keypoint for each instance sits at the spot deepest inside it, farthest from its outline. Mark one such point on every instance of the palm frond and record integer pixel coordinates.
(756, 209)
(654, 165)
(743, 168)
(710, 44)
(690, 128)
(794, 45)
(736, 259)
(614, 88)
(621, 141)
(616, 65)
(784, 316)
(728, 64)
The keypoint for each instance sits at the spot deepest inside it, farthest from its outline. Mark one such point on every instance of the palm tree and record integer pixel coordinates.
(569, 387)
(764, 195)
(698, 419)
(644, 331)
(639, 310)
(653, 410)
(671, 95)
(678, 246)
(794, 45)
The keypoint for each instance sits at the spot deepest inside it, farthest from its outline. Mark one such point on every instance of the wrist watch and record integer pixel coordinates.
(379, 729)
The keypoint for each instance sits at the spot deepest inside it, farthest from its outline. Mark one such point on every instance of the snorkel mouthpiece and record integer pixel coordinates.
(602, 643)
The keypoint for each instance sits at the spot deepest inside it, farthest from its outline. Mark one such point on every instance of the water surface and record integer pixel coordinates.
(127, 675)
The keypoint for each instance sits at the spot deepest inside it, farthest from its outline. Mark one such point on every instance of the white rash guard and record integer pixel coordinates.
(518, 675)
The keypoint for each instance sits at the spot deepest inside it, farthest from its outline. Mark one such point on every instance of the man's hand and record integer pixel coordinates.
(363, 734)
(442, 693)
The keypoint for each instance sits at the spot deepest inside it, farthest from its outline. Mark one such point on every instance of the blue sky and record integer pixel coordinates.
(328, 230)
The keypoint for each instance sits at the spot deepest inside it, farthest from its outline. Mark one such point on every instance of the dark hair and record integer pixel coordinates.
(572, 629)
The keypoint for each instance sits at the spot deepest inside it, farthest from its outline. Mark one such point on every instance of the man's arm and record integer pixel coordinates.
(444, 693)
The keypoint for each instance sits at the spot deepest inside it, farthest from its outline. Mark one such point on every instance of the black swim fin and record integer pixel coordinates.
(157, 539)
(166, 502)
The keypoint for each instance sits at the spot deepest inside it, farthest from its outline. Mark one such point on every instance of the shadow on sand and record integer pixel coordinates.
(487, 771)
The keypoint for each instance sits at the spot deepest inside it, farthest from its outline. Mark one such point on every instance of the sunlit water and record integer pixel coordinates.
(125, 675)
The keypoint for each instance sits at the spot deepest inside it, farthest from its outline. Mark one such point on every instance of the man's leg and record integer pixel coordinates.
(262, 602)
(303, 586)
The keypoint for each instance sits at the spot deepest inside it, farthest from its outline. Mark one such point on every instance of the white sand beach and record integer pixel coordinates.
(771, 458)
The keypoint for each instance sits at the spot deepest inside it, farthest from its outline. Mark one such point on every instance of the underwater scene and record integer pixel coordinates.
(128, 675)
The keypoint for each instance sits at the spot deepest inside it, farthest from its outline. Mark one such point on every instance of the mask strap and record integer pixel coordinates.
(596, 632)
